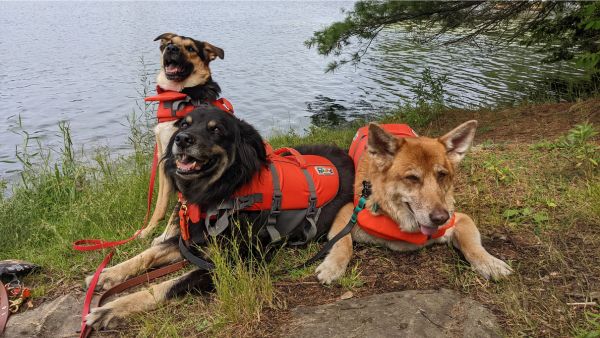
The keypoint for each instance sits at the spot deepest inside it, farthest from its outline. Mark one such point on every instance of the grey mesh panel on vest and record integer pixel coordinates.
(289, 221)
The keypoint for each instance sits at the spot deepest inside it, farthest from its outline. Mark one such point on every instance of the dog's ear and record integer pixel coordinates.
(164, 38)
(209, 51)
(458, 141)
(382, 146)
(250, 147)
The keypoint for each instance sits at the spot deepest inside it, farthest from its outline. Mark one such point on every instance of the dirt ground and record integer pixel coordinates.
(525, 123)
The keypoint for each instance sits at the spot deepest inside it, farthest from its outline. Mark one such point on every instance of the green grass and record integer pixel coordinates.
(538, 195)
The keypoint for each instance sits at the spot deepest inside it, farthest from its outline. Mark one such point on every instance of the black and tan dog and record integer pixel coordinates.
(412, 184)
(209, 157)
(184, 68)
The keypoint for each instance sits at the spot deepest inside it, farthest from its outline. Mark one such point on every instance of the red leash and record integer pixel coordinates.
(97, 244)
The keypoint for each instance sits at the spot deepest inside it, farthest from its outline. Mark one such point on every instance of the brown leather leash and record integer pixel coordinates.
(132, 282)
(4, 313)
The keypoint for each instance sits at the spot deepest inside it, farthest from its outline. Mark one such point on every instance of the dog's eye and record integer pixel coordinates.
(215, 130)
(191, 49)
(441, 175)
(412, 178)
(183, 125)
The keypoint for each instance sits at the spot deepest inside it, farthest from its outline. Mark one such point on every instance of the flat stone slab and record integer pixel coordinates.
(59, 318)
(412, 313)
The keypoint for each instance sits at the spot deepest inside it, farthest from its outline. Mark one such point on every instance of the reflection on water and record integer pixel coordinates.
(79, 62)
(325, 112)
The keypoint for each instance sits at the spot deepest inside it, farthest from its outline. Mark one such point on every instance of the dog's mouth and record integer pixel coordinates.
(425, 229)
(176, 71)
(188, 165)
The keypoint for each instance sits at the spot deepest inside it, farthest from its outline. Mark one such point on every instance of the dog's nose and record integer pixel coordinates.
(439, 216)
(172, 48)
(183, 140)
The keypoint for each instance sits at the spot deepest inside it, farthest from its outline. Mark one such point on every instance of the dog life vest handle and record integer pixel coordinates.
(295, 155)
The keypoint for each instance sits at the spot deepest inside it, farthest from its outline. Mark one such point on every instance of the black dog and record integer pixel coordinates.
(211, 155)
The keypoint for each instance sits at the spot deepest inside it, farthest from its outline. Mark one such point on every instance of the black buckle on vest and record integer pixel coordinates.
(312, 206)
(275, 208)
(248, 200)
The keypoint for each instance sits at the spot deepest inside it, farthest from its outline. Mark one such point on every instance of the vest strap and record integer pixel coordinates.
(275, 206)
(229, 207)
(312, 212)
(199, 262)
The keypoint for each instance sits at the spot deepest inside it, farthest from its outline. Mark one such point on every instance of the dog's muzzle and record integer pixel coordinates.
(175, 65)
(184, 140)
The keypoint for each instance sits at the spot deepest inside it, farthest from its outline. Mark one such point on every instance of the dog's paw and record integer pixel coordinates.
(492, 268)
(107, 279)
(146, 232)
(329, 271)
(104, 317)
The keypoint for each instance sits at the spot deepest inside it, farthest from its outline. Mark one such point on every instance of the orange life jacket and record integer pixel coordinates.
(382, 225)
(174, 105)
(293, 188)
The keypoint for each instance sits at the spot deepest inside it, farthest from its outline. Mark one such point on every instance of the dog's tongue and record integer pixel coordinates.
(171, 69)
(186, 166)
(428, 231)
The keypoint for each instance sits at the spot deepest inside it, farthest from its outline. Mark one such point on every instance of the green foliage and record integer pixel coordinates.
(499, 170)
(428, 102)
(526, 214)
(242, 282)
(352, 279)
(561, 30)
(593, 326)
(578, 146)
(429, 92)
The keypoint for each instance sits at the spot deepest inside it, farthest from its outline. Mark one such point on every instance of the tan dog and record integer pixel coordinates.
(412, 183)
(184, 68)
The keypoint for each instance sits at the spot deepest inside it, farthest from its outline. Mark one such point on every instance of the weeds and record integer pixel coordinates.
(428, 102)
(593, 323)
(242, 281)
(499, 170)
(352, 279)
(578, 147)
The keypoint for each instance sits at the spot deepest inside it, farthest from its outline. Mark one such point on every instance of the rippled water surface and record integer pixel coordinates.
(80, 62)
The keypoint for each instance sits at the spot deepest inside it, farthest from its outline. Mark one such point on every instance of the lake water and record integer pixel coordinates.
(80, 62)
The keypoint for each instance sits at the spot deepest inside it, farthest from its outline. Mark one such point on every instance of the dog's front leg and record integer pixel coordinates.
(108, 315)
(163, 132)
(171, 230)
(162, 254)
(334, 265)
(467, 239)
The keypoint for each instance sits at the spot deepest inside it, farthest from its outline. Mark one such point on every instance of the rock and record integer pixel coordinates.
(413, 313)
(59, 318)
(347, 295)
